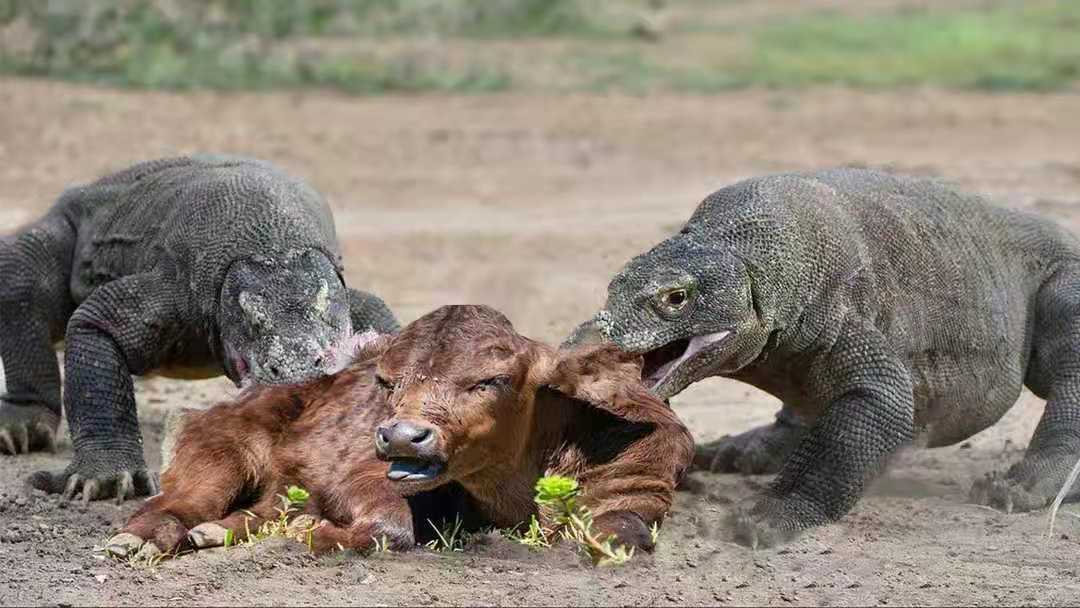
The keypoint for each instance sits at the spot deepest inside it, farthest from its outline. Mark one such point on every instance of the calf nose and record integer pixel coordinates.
(404, 439)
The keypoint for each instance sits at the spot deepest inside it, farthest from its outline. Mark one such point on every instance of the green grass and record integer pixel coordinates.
(1008, 47)
(413, 46)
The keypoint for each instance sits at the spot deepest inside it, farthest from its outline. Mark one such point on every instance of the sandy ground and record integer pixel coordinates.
(530, 204)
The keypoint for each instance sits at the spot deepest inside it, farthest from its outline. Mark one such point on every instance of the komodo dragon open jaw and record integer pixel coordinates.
(662, 363)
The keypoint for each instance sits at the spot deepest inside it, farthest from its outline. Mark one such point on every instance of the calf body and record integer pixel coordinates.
(881, 310)
(190, 267)
(457, 409)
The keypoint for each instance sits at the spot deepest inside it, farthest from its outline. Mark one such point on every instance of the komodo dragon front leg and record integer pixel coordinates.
(868, 414)
(35, 303)
(125, 327)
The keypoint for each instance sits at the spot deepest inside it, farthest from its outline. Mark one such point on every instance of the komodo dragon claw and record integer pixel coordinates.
(27, 428)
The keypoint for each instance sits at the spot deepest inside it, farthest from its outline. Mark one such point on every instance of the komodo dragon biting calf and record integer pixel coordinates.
(184, 266)
(461, 406)
(880, 310)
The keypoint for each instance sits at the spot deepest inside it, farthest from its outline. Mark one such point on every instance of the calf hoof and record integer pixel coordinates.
(1001, 493)
(128, 546)
(123, 545)
(768, 522)
(628, 529)
(207, 535)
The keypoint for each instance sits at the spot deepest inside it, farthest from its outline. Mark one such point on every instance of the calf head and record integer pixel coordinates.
(460, 384)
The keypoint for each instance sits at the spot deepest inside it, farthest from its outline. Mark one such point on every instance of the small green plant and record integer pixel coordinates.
(654, 532)
(286, 524)
(449, 537)
(559, 494)
(535, 536)
(295, 496)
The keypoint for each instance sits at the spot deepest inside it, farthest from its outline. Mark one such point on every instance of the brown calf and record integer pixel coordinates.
(464, 402)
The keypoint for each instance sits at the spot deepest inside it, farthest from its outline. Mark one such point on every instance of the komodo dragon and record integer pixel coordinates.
(881, 311)
(186, 267)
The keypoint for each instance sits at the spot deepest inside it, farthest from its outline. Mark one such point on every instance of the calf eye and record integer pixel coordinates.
(384, 384)
(496, 382)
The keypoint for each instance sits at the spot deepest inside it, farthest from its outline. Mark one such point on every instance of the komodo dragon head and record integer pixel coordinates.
(689, 309)
(283, 320)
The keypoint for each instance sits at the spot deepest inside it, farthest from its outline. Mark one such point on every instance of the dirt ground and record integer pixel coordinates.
(530, 204)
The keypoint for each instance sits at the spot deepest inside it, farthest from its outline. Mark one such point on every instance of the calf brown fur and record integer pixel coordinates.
(465, 402)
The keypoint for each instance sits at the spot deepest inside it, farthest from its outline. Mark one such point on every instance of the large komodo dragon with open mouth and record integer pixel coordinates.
(188, 267)
(882, 311)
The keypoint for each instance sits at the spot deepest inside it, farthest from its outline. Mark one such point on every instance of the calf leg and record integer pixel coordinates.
(35, 303)
(212, 470)
(1054, 374)
(367, 512)
(760, 450)
(241, 524)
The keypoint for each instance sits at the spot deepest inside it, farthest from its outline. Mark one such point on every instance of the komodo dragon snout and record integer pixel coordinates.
(284, 321)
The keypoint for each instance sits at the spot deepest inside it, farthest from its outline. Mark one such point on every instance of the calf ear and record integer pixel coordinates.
(606, 377)
(360, 346)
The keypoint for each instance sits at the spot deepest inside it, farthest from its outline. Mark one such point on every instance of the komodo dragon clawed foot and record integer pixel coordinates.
(1000, 492)
(1030, 484)
(27, 428)
(95, 480)
(759, 451)
(769, 521)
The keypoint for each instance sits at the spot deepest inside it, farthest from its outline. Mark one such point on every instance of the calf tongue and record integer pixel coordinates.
(413, 470)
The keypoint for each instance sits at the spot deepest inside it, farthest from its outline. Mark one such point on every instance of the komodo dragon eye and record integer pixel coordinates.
(673, 302)
(675, 299)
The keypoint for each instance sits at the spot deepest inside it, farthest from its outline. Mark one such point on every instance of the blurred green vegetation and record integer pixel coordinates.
(1016, 46)
(638, 46)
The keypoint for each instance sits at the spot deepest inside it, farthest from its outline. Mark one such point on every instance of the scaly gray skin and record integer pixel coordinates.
(882, 311)
(188, 267)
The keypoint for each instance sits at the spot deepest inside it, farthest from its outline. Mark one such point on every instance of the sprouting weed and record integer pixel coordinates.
(535, 537)
(295, 496)
(559, 494)
(292, 502)
(382, 545)
(449, 537)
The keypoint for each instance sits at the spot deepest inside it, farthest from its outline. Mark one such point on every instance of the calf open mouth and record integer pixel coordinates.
(661, 362)
(414, 469)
